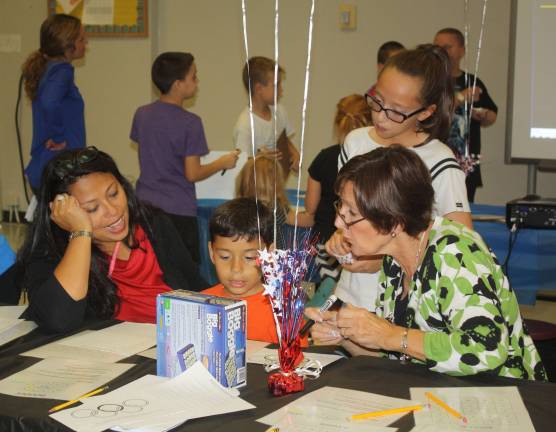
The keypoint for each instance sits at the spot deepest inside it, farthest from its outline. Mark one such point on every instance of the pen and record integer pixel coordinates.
(374, 414)
(71, 402)
(331, 303)
(445, 406)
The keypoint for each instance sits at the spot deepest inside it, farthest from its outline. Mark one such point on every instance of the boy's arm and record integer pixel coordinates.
(195, 172)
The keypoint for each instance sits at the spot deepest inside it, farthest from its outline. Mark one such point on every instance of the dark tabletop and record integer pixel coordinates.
(375, 375)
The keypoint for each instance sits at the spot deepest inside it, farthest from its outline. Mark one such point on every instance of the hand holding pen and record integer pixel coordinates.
(332, 303)
(229, 160)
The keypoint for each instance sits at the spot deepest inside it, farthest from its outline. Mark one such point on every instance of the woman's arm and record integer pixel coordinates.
(461, 217)
(73, 270)
(56, 89)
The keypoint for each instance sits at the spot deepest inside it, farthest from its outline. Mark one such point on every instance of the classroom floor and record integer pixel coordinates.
(543, 310)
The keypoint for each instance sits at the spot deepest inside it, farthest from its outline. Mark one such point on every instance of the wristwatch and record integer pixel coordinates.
(75, 234)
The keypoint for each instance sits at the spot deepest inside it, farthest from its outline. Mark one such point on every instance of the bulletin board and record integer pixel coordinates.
(107, 18)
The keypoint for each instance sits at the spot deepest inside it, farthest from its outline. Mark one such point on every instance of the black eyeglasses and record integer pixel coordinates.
(395, 116)
(338, 207)
(69, 161)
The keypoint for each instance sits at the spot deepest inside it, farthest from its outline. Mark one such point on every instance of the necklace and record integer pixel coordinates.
(404, 358)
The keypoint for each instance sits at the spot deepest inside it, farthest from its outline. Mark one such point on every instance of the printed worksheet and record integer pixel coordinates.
(332, 407)
(61, 379)
(488, 409)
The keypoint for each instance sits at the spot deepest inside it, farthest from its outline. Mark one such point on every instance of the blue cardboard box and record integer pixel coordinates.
(193, 326)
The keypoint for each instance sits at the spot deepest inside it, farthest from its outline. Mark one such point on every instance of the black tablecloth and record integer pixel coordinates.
(382, 376)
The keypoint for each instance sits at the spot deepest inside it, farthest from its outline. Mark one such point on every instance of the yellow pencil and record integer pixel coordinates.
(385, 412)
(445, 406)
(71, 402)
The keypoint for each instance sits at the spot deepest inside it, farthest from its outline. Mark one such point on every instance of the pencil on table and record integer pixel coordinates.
(373, 414)
(71, 402)
(445, 406)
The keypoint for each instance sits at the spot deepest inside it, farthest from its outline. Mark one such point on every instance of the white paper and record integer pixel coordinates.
(253, 346)
(332, 407)
(10, 313)
(150, 353)
(61, 378)
(266, 355)
(68, 5)
(125, 339)
(59, 350)
(154, 406)
(11, 327)
(98, 12)
(219, 186)
(489, 409)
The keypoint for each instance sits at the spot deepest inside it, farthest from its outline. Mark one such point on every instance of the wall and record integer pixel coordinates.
(114, 77)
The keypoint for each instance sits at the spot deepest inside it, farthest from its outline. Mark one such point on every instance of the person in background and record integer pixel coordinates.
(386, 50)
(469, 90)
(443, 300)
(58, 108)
(258, 80)
(352, 112)
(268, 188)
(171, 141)
(412, 106)
(95, 251)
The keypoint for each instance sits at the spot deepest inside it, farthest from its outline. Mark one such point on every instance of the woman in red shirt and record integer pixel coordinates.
(95, 250)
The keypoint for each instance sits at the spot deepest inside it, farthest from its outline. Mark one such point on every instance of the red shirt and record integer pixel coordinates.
(260, 319)
(139, 281)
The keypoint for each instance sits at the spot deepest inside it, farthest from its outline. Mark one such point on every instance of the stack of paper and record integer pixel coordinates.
(490, 409)
(154, 404)
(61, 378)
(110, 344)
(11, 327)
(330, 408)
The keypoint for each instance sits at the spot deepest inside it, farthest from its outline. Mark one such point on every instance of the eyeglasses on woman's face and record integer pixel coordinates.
(395, 116)
(338, 207)
(68, 162)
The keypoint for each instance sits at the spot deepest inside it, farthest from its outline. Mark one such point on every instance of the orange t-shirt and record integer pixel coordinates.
(260, 319)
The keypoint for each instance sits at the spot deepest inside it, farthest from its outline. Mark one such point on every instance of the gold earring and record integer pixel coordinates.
(393, 234)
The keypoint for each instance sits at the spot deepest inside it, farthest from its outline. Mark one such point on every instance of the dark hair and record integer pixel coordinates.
(237, 218)
(256, 71)
(386, 50)
(170, 67)
(392, 186)
(58, 35)
(454, 32)
(431, 65)
(49, 240)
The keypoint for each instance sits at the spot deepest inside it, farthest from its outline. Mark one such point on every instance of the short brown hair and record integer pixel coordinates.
(256, 71)
(392, 186)
(454, 32)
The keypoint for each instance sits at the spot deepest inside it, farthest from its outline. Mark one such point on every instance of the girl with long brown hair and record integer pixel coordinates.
(58, 108)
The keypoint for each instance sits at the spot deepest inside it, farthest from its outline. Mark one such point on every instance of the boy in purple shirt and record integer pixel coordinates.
(171, 142)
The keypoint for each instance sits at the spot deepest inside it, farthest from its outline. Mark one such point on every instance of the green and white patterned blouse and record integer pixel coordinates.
(461, 299)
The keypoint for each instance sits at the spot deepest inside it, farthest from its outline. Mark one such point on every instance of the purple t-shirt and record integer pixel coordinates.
(166, 135)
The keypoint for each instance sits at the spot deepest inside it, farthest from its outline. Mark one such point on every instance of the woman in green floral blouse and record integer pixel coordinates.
(444, 300)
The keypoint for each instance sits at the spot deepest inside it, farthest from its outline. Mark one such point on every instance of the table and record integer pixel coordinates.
(381, 376)
(532, 265)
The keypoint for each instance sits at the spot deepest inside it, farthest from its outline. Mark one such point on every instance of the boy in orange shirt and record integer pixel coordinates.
(235, 238)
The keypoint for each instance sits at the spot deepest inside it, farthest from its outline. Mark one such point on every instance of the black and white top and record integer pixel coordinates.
(450, 193)
(448, 180)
